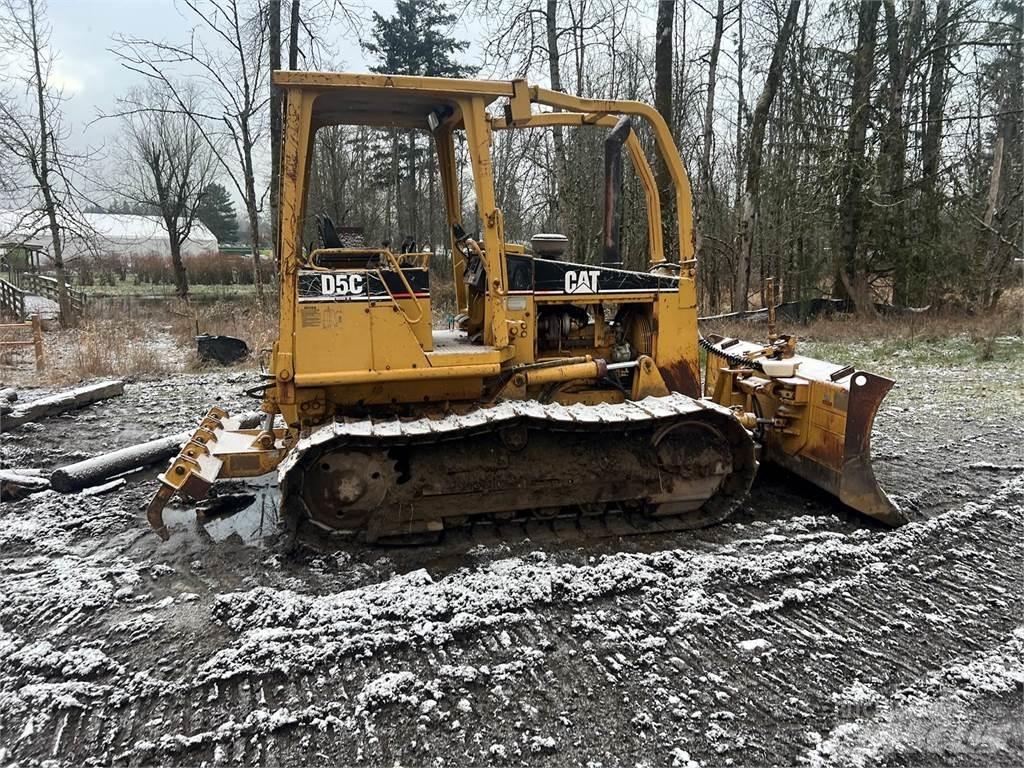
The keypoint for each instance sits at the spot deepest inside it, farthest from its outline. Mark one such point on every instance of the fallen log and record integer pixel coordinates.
(61, 403)
(89, 472)
(14, 484)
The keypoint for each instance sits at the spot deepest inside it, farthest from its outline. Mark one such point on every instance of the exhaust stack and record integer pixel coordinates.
(612, 187)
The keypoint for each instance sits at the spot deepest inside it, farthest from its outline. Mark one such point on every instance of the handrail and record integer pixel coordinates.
(394, 263)
(49, 287)
(12, 300)
(405, 281)
(422, 256)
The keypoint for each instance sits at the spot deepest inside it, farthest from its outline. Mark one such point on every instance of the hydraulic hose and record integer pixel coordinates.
(728, 356)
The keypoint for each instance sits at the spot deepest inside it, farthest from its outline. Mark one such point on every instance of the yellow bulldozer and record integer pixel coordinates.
(564, 391)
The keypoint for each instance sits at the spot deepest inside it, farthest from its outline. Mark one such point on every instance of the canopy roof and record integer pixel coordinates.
(386, 100)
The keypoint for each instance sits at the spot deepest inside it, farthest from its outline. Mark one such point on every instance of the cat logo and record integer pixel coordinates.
(583, 281)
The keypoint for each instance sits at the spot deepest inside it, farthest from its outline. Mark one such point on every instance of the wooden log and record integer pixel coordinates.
(61, 403)
(14, 485)
(89, 472)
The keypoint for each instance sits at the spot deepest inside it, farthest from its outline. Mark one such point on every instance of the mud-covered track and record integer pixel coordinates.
(391, 479)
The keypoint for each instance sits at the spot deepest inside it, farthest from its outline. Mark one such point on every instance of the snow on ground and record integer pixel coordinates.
(795, 634)
(48, 309)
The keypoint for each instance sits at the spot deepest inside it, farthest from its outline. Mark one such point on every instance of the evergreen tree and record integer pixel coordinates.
(217, 212)
(414, 41)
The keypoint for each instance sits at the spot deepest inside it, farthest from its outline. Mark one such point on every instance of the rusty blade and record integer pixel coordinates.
(858, 487)
(155, 510)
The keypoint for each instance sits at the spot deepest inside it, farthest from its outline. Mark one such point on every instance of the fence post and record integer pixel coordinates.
(37, 340)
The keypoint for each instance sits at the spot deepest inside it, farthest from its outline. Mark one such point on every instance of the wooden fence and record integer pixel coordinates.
(12, 301)
(41, 285)
(34, 327)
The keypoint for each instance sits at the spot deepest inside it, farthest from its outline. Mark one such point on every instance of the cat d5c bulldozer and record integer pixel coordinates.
(564, 390)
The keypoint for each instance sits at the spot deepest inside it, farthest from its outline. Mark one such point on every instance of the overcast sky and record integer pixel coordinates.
(82, 35)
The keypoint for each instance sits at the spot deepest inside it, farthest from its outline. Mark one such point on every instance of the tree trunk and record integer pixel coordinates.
(62, 402)
(990, 264)
(555, 72)
(704, 186)
(274, 13)
(755, 148)
(850, 283)
(43, 178)
(931, 146)
(412, 187)
(740, 109)
(293, 37)
(663, 93)
(792, 281)
(253, 212)
(892, 157)
(395, 228)
(180, 274)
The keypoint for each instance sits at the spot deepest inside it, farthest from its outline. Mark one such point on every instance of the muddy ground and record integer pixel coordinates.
(798, 633)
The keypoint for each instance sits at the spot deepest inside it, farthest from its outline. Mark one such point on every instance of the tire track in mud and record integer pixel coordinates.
(747, 651)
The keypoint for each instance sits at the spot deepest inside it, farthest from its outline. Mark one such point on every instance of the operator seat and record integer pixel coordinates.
(329, 239)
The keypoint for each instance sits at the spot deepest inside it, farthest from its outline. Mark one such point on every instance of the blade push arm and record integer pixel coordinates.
(218, 448)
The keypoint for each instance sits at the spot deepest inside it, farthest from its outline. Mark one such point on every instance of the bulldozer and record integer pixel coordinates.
(562, 391)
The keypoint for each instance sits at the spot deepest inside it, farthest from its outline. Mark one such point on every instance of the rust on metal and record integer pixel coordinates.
(680, 376)
(858, 486)
(672, 456)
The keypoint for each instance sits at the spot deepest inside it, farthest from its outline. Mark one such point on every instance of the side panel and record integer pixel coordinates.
(675, 346)
(394, 344)
(332, 337)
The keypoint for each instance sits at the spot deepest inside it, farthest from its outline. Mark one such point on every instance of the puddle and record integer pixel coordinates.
(254, 523)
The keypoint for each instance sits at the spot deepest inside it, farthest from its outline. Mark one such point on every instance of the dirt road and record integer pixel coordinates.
(796, 634)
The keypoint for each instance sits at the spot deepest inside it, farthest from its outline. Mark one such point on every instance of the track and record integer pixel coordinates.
(664, 463)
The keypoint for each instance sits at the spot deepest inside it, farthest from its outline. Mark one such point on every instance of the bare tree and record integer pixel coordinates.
(748, 215)
(663, 87)
(555, 73)
(893, 153)
(232, 74)
(32, 134)
(319, 14)
(849, 281)
(276, 115)
(168, 164)
(707, 137)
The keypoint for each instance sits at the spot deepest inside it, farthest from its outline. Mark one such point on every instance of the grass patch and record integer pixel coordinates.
(243, 320)
(131, 288)
(889, 343)
(114, 348)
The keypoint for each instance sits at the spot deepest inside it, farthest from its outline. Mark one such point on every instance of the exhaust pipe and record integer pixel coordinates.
(612, 187)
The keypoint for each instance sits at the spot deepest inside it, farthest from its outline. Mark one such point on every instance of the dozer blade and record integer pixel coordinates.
(858, 487)
(816, 419)
(219, 447)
